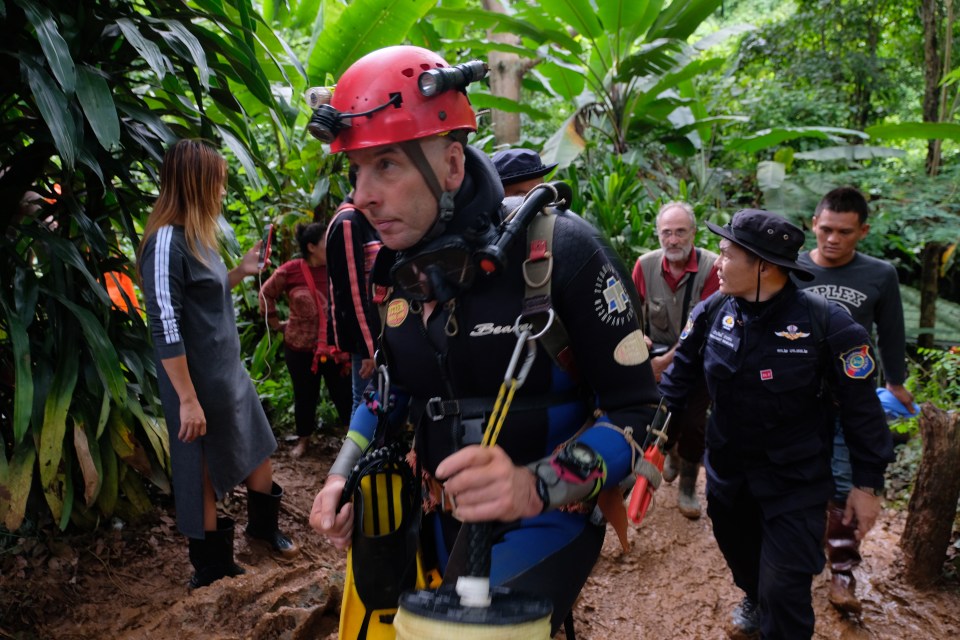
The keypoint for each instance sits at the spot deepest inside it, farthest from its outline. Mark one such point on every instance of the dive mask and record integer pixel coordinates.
(440, 271)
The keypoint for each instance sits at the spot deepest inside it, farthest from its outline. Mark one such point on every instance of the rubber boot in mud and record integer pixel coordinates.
(745, 622)
(687, 500)
(263, 512)
(843, 554)
(671, 465)
(212, 556)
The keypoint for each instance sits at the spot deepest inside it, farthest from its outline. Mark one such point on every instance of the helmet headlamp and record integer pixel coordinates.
(452, 78)
(327, 122)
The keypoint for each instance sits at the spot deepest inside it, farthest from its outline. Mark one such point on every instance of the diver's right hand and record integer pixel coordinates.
(337, 527)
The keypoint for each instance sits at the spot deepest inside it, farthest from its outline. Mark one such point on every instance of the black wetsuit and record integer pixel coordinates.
(462, 354)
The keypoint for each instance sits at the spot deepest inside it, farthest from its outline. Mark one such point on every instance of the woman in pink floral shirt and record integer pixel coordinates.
(308, 356)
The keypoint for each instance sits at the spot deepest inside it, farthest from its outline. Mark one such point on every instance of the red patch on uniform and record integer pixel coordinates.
(766, 374)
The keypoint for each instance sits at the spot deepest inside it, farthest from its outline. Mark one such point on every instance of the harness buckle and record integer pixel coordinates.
(437, 408)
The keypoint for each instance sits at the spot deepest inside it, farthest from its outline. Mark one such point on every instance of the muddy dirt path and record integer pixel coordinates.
(673, 584)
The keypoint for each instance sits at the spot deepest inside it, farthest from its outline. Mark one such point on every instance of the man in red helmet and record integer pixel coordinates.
(450, 332)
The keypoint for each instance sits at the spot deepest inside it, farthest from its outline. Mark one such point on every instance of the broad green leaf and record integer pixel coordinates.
(364, 26)
(179, 33)
(109, 487)
(22, 374)
(629, 18)
(239, 149)
(579, 14)
(66, 251)
(501, 23)
(97, 102)
(722, 35)
(65, 479)
(54, 47)
(86, 450)
(148, 119)
(125, 443)
(772, 137)
(489, 101)
(850, 152)
(159, 440)
(915, 131)
(55, 427)
(147, 49)
(135, 494)
(51, 102)
(565, 145)
(15, 485)
(103, 352)
(104, 414)
(651, 58)
(567, 82)
(681, 18)
(770, 175)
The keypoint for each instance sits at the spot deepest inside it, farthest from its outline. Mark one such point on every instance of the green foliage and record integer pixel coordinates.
(935, 378)
(92, 94)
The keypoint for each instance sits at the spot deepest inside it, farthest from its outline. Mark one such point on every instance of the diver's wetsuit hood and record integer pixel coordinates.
(473, 226)
(476, 203)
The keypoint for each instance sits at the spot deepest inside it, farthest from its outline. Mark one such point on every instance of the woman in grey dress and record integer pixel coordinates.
(219, 434)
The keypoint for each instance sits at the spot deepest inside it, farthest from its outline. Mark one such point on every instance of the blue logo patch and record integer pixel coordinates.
(858, 363)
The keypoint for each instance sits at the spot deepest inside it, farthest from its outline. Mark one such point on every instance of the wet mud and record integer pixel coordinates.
(672, 585)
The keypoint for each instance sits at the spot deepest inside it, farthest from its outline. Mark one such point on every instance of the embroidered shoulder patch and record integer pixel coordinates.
(631, 350)
(610, 298)
(686, 330)
(397, 312)
(858, 363)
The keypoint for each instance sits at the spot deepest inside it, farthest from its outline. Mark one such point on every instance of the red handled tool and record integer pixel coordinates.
(653, 456)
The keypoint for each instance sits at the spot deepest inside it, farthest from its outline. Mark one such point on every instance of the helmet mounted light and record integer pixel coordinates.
(427, 97)
(452, 78)
(327, 122)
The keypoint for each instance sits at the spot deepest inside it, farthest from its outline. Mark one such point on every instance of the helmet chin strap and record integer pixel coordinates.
(414, 151)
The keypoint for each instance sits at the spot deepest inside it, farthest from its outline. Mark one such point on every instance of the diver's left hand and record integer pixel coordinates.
(485, 485)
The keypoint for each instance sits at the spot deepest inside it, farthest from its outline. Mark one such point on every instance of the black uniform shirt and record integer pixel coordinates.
(776, 390)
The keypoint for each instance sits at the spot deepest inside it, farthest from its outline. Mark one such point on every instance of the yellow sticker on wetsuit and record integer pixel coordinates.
(397, 312)
(631, 350)
(858, 363)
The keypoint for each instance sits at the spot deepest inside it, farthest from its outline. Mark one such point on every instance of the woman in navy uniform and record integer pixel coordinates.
(779, 364)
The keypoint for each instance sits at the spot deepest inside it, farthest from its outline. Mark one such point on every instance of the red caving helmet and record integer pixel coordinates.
(374, 79)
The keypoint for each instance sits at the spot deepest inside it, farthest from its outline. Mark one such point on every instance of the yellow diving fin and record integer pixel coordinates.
(383, 559)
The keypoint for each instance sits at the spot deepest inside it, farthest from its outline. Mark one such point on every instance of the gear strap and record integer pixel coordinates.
(537, 302)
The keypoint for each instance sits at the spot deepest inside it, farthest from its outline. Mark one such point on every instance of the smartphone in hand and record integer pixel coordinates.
(265, 246)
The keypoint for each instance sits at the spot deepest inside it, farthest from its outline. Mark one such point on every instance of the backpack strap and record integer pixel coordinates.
(819, 314)
(537, 302)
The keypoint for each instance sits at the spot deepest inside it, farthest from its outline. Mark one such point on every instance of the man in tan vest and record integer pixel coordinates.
(671, 281)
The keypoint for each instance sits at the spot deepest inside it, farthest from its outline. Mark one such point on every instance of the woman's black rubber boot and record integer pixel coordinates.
(212, 556)
(263, 511)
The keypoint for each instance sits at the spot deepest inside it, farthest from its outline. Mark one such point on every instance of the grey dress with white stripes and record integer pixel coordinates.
(191, 313)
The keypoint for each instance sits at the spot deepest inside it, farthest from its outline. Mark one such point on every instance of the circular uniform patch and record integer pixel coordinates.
(631, 350)
(858, 363)
(610, 298)
(397, 312)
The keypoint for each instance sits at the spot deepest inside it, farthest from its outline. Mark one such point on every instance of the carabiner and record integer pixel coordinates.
(522, 337)
(531, 344)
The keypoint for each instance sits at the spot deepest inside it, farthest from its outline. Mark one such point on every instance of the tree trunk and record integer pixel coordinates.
(931, 78)
(929, 286)
(506, 74)
(933, 505)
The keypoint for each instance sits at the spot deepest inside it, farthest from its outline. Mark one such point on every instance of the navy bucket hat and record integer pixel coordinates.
(768, 235)
(517, 165)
